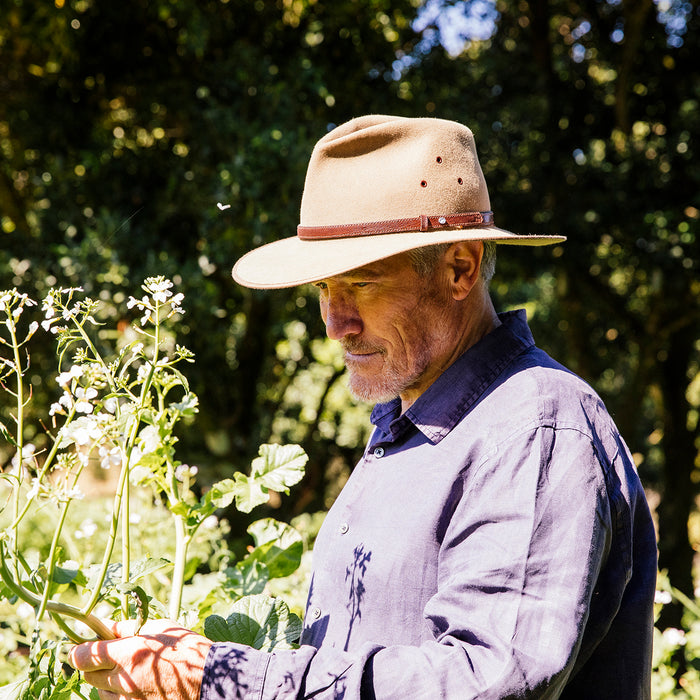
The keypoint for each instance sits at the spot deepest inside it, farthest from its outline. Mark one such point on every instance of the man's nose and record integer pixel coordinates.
(340, 316)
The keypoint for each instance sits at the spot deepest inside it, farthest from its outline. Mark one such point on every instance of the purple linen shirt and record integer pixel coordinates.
(493, 542)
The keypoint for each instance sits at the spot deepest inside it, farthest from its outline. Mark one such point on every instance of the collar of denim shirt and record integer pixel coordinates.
(459, 388)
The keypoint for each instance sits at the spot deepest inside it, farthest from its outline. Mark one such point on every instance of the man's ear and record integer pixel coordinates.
(463, 261)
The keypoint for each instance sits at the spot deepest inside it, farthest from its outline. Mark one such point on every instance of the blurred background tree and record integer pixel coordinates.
(123, 125)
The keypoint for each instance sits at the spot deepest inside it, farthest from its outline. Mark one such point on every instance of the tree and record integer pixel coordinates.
(593, 136)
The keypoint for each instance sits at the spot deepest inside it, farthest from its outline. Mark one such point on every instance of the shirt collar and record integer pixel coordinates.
(444, 403)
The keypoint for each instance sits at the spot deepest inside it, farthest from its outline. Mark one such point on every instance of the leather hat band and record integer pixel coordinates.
(424, 222)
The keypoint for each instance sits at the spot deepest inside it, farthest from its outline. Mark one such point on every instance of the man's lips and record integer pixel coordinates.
(361, 354)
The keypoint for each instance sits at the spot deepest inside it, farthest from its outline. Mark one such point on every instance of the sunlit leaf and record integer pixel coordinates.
(258, 621)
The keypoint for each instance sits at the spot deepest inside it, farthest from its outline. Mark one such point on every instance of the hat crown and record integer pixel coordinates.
(380, 167)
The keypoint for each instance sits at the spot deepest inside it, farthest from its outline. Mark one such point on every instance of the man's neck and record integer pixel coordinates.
(473, 320)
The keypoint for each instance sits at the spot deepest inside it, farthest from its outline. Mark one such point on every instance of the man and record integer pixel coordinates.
(494, 540)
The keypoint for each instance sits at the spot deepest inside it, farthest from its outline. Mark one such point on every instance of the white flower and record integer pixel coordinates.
(210, 522)
(47, 308)
(662, 597)
(83, 431)
(65, 378)
(674, 637)
(35, 489)
(110, 457)
(175, 304)
(185, 471)
(28, 451)
(149, 439)
(159, 288)
(75, 493)
(111, 404)
(24, 611)
(87, 529)
(84, 397)
(138, 475)
(56, 408)
(135, 457)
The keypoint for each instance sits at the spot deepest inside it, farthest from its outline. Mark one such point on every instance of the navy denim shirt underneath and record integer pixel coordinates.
(493, 542)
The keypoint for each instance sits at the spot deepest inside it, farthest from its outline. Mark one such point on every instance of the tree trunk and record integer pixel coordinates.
(675, 550)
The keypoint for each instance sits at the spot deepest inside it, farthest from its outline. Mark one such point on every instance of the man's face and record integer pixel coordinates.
(392, 324)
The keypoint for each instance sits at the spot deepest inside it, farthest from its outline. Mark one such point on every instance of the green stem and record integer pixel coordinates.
(52, 562)
(96, 354)
(120, 507)
(112, 536)
(94, 623)
(54, 549)
(687, 602)
(48, 463)
(19, 437)
(182, 542)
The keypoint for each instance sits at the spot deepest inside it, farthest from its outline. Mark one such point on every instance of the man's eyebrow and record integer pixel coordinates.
(369, 271)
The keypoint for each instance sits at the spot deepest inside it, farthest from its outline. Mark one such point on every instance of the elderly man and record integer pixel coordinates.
(494, 540)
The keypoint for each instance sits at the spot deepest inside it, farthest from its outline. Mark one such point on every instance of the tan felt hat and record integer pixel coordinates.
(377, 186)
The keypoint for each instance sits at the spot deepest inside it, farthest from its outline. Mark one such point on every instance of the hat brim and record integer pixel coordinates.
(292, 261)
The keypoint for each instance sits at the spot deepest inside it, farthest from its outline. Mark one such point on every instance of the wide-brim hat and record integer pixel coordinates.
(377, 186)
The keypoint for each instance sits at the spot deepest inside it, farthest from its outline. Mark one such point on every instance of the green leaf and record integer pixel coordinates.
(14, 691)
(63, 575)
(147, 565)
(258, 621)
(247, 577)
(280, 466)
(6, 435)
(188, 406)
(222, 493)
(249, 493)
(113, 579)
(278, 545)
(216, 629)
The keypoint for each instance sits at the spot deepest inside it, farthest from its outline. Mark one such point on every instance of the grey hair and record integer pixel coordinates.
(425, 260)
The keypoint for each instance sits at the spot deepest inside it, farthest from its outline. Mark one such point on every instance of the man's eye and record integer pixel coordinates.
(320, 285)
(360, 284)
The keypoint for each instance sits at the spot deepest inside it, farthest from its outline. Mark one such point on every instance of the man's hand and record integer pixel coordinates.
(164, 662)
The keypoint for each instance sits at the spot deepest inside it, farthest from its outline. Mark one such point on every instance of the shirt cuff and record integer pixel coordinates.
(234, 671)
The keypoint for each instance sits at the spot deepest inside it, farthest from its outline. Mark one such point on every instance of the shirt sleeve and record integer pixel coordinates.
(518, 568)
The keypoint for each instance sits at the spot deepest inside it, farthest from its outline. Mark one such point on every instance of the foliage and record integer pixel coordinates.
(121, 412)
(676, 671)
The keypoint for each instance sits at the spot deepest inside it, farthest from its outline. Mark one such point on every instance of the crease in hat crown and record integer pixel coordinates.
(377, 186)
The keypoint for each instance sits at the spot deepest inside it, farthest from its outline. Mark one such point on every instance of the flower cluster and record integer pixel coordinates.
(158, 295)
(12, 304)
(55, 309)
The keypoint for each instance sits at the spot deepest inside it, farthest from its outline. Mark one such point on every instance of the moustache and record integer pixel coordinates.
(359, 347)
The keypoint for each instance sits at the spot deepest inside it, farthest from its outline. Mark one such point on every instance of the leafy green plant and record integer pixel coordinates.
(120, 412)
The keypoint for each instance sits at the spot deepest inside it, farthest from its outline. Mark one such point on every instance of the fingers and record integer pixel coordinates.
(92, 656)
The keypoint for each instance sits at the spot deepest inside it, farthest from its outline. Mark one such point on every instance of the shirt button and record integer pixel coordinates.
(378, 452)
(344, 527)
(315, 612)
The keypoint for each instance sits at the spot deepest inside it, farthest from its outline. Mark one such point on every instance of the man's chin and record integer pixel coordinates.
(372, 392)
